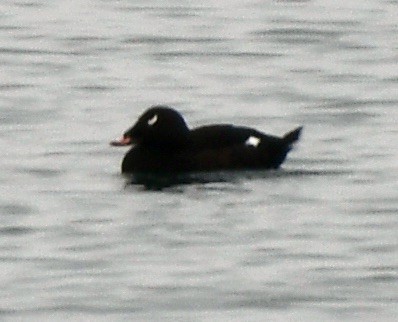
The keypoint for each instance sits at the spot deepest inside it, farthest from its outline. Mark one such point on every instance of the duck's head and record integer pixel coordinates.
(158, 127)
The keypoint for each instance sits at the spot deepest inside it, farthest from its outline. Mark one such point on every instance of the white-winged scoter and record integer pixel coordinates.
(163, 143)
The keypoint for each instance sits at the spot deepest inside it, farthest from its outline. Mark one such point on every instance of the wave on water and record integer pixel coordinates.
(155, 181)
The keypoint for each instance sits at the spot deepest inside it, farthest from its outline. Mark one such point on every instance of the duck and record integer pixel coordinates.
(162, 142)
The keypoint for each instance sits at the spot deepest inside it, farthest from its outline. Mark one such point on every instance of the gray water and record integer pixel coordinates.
(314, 241)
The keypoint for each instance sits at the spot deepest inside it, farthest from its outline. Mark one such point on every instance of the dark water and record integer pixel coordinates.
(316, 241)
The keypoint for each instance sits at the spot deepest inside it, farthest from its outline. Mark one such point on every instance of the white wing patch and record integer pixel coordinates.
(253, 141)
(153, 120)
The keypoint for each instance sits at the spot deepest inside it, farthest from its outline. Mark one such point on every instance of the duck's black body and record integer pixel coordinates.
(164, 144)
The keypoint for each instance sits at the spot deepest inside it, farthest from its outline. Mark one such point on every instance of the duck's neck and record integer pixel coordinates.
(170, 143)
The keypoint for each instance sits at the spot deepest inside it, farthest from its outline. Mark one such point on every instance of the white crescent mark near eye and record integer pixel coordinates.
(253, 141)
(153, 120)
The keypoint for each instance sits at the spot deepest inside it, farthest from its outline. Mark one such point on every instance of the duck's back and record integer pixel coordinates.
(226, 136)
(218, 147)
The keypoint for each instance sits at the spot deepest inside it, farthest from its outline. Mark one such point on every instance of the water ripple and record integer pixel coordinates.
(172, 40)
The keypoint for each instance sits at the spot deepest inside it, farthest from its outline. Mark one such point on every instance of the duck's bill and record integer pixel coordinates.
(122, 141)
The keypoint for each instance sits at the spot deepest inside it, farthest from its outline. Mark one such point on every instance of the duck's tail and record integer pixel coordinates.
(293, 136)
(278, 151)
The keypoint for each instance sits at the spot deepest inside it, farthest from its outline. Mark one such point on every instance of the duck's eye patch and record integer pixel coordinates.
(153, 120)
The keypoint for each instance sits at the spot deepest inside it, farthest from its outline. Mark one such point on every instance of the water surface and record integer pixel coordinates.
(314, 241)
